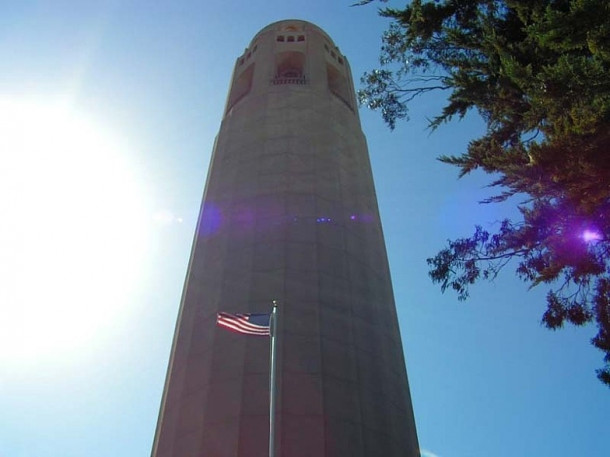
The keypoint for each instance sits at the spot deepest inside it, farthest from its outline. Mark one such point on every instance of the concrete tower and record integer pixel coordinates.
(289, 213)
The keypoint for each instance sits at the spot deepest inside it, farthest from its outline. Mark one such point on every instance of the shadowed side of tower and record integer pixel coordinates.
(289, 213)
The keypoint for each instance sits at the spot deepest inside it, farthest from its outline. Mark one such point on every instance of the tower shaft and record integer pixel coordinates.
(289, 214)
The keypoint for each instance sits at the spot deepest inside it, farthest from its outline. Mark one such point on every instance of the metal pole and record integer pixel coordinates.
(272, 392)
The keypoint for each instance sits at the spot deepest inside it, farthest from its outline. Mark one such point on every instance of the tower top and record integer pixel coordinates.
(293, 26)
(287, 56)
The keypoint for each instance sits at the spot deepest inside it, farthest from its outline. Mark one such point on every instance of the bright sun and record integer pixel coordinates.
(72, 229)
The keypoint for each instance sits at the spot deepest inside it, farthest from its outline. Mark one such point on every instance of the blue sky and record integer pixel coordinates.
(97, 214)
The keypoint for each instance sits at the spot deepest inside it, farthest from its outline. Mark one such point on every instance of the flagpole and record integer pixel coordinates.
(272, 390)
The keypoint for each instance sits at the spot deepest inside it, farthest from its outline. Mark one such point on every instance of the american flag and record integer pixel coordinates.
(247, 324)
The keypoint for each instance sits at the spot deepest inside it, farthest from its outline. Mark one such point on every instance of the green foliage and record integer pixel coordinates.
(537, 72)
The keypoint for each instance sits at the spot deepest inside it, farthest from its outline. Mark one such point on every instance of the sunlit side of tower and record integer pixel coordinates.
(289, 213)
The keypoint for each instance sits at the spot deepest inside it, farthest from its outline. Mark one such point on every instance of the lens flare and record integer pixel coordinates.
(590, 236)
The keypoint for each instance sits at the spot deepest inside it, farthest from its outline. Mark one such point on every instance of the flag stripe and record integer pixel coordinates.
(239, 326)
(246, 331)
(237, 329)
(242, 323)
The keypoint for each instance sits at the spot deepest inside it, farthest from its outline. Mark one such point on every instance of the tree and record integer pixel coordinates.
(537, 71)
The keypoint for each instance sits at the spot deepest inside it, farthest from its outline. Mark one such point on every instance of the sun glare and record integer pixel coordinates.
(71, 231)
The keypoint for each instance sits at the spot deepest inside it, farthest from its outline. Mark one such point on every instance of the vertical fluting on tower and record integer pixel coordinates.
(289, 214)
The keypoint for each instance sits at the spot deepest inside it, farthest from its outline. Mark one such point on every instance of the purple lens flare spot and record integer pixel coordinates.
(590, 235)
(211, 220)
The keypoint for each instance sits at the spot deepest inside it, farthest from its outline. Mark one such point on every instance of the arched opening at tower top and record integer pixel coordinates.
(290, 65)
(241, 86)
(338, 84)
